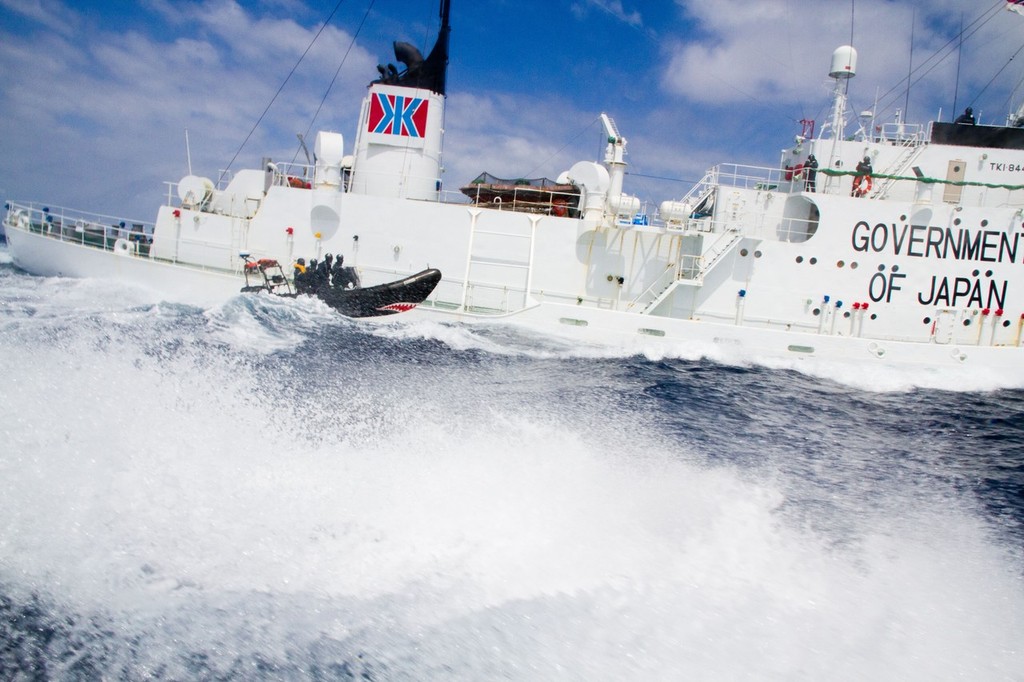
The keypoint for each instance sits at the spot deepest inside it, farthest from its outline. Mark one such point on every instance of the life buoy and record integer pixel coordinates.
(122, 247)
(861, 185)
(558, 208)
(298, 183)
(267, 263)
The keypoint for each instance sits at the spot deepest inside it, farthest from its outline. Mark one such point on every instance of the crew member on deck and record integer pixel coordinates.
(810, 173)
(862, 182)
(967, 117)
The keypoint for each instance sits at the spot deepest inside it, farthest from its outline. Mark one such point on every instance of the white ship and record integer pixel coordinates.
(918, 262)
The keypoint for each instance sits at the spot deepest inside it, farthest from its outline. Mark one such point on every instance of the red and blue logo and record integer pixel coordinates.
(398, 115)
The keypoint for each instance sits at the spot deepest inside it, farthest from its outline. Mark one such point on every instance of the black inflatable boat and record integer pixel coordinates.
(399, 296)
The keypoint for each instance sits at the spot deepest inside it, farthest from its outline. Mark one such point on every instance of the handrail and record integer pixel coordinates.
(669, 270)
(74, 214)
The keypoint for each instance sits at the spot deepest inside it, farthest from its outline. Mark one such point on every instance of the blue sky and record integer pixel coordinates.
(96, 95)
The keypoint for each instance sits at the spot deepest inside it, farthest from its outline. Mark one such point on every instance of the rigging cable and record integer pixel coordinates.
(562, 148)
(937, 57)
(335, 78)
(982, 91)
(276, 94)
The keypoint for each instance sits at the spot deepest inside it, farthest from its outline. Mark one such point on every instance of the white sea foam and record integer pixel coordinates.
(500, 339)
(439, 524)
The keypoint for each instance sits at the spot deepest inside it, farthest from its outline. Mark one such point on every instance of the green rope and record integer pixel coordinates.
(931, 181)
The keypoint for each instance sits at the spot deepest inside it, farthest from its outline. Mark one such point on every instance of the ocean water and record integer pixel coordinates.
(266, 490)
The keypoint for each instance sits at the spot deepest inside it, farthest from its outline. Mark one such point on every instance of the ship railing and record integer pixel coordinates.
(703, 187)
(911, 149)
(121, 236)
(760, 178)
(646, 297)
(287, 174)
(694, 267)
(284, 174)
(525, 199)
(901, 133)
(89, 229)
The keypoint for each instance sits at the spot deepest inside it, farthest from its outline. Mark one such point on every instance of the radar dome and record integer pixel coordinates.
(844, 63)
(194, 190)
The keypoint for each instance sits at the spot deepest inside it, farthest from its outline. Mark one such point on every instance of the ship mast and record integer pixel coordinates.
(844, 67)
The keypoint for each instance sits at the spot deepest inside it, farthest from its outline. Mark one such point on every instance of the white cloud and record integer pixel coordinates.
(122, 101)
(614, 8)
(765, 52)
(53, 15)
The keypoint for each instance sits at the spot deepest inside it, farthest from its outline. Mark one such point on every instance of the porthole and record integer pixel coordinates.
(743, 252)
(984, 223)
(799, 259)
(927, 320)
(840, 264)
(757, 254)
(853, 265)
(813, 261)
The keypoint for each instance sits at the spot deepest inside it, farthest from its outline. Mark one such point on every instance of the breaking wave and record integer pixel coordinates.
(266, 490)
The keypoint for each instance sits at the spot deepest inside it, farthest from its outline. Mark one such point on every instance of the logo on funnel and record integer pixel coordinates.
(398, 115)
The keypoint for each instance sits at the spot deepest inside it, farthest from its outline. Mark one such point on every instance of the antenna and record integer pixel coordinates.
(910, 64)
(188, 153)
(959, 53)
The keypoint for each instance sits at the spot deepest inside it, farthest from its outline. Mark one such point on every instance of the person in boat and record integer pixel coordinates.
(314, 275)
(862, 181)
(338, 271)
(966, 118)
(300, 276)
(810, 173)
(323, 271)
(344, 278)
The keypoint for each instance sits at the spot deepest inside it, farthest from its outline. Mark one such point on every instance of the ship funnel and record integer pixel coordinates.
(398, 144)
